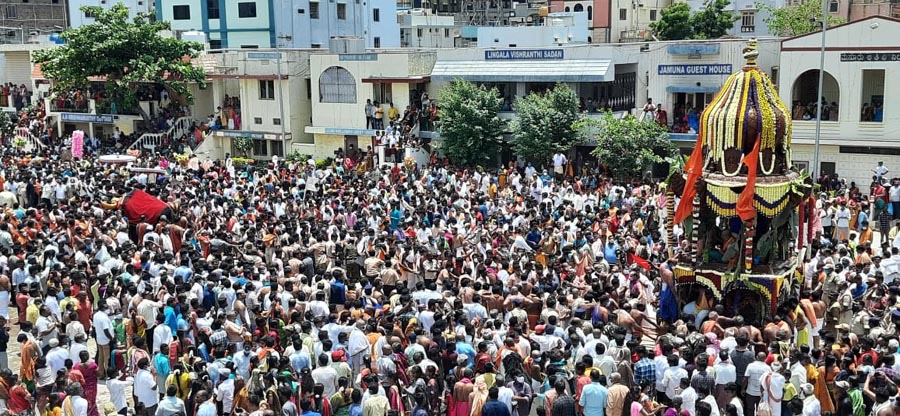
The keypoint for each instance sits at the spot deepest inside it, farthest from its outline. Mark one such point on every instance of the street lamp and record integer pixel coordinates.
(824, 22)
(280, 91)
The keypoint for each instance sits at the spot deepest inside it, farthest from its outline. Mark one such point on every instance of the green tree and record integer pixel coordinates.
(469, 123)
(627, 146)
(674, 23)
(797, 19)
(125, 52)
(713, 21)
(545, 123)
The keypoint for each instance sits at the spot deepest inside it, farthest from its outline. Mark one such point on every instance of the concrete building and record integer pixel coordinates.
(554, 29)
(599, 15)
(250, 24)
(751, 20)
(251, 76)
(342, 84)
(859, 127)
(25, 21)
(630, 19)
(421, 29)
(684, 76)
(79, 18)
(850, 10)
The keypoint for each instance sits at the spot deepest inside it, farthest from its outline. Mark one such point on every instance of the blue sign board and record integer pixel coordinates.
(358, 57)
(698, 69)
(523, 54)
(264, 55)
(349, 132)
(242, 134)
(87, 118)
(702, 49)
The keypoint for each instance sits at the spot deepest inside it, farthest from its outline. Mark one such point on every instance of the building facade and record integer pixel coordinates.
(79, 18)
(858, 126)
(751, 19)
(26, 21)
(599, 14)
(250, 24)
(630, 19)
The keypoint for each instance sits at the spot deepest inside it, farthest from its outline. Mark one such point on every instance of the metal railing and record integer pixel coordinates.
(31, 143)
(150, 141)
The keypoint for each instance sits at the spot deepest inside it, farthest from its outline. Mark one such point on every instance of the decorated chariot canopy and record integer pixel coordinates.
(740, 200)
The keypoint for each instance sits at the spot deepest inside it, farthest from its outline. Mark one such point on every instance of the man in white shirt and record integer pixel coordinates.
(171, 405)
(225, 389)
(105, 336)
(162, 334)
(116, 389)
(842, 222)
(724, 370)
(673, 376)
(145, 388)
(894, 195)
(752, 377)
(326, 375)
(78, 404)
(772, 388)
(56, 357)
(688, 396)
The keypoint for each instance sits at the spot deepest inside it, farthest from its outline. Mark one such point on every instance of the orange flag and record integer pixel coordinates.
(694, 169)
(744, 207)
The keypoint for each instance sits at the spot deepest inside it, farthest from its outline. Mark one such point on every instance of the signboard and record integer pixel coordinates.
(350, 132)
(255, 135)
(702, 49)
(264, 55)
(699, 69)
(871, 57)
(87, 118)
(358, 57)
(523, 54)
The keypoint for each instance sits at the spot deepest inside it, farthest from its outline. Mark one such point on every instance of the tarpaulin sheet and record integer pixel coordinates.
(141, 203)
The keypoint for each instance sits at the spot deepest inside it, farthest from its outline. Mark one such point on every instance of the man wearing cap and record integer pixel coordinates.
(56, 356)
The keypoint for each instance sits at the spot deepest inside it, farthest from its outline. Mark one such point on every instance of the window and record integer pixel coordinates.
(337, 85)
(383, 92)
(257, 120)
(446, 33)
(308, 89)
(215, 44)
(260, 148)
(872, 95)
(623, 14)
(419, 32)
(832, 7)
(212, 9)
(249, 46)
(653, 15)
(12, 12)
(578, 8)
(181, 12)
(247, 10)
(376, 42)
(313, 10)
(277, 148)
(87, 14)
(342, 11)
(315, 45)
(301, 11)
(590, 11)
(376, 15)
(748, 21)
(276, 121)
(568, 9)
(266, 89)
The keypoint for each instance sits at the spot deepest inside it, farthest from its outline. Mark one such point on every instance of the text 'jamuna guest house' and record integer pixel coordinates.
(708, 69)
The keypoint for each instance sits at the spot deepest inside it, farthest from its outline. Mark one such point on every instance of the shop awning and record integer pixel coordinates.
(574, 70)
(693, 89)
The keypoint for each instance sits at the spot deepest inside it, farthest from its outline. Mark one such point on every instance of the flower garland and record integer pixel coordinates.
(730, 139)
(768, 200)
(710, 131)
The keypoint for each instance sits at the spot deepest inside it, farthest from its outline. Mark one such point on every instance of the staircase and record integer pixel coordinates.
(32, 144)
(150, 141)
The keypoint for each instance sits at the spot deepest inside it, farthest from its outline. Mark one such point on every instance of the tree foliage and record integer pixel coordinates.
(627, 146)
(545, 123)
(674, 23)
(126, 52)
(469, 123)
(797, 19)
(713, 21)
(677, 23)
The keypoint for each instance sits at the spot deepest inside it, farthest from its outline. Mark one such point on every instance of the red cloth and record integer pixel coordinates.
(141, 203)
(744, 207)
(639, 261)
(694, 169)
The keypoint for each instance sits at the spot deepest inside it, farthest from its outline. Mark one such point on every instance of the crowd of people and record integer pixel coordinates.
(287, 289)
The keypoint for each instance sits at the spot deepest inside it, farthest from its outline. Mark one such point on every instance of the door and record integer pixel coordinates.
(351, 144)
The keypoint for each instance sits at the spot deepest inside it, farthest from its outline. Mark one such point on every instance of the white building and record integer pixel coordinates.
(78, 18)
(862, 63)
(751, 19)
(421, 29)
(564, 28)
(233, 24)
(342, 83)
(629, 20)
(252, 77)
